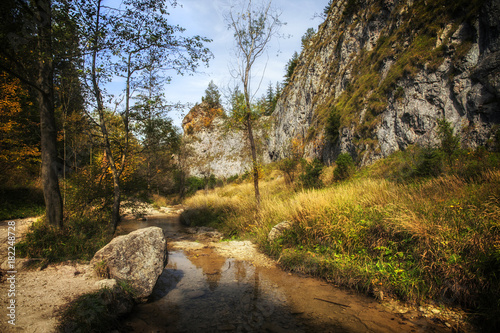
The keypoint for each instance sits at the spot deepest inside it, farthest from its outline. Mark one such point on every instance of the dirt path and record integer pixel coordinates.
(38, 294)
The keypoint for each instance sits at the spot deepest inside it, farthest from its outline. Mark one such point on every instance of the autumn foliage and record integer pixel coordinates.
(19, 138)
(200, 116)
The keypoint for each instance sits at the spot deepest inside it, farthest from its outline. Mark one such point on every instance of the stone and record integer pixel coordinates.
(435, 311)
(106, 283)
(138, 258)
(278, 230)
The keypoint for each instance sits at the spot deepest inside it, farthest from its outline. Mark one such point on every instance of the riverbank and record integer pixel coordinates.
(211, 285)
(38, 294)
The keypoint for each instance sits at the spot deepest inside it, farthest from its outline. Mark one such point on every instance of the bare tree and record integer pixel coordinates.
(253, 25)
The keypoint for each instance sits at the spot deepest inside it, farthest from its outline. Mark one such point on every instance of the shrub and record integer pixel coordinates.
(333, 126)
(310, 178)
(80, 239)
(350, 8)
(345, 167)
(210, 182)
(21, 202)
(450, 143)
(289, 167)
(232, 179)
(194, 184)
(429, 163)
(98, 311)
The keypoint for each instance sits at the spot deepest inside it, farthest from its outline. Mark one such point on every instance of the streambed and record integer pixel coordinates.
(218, 286)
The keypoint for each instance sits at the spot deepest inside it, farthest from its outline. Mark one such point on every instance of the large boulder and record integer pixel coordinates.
(278, 230)
(138, 258)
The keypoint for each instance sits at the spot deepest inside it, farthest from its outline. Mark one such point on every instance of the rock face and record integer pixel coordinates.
(214, 147)
(138, 258)
(391, 69)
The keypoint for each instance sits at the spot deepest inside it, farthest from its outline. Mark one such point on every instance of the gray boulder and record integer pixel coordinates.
(278, 230)
(138, 258)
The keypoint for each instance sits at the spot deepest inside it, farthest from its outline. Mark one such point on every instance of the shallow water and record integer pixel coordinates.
(201, 291)
(169, 223)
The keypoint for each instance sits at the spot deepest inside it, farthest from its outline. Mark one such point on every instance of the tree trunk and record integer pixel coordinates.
(115, 212)
(50, 181)
(115, 218)
(254, 160)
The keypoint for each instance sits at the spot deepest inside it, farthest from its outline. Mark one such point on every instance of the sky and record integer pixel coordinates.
(206, 18)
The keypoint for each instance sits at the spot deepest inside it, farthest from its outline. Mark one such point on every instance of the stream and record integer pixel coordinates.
(207, 287)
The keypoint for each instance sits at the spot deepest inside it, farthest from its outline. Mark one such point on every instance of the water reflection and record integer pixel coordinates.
(169, 223)
(202, 292)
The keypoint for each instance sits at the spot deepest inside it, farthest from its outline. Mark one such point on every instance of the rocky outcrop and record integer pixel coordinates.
(137, 258)
(391, 69)
(213, 146)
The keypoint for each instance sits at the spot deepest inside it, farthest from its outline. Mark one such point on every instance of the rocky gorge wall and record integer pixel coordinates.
(391, 69)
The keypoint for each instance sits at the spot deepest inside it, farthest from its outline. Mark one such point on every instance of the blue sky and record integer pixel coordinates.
(206, 18)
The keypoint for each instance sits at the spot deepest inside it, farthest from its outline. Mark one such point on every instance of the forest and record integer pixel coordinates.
(63, 133)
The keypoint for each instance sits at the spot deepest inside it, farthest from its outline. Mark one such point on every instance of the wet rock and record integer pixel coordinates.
(138, 258)
(278, 230)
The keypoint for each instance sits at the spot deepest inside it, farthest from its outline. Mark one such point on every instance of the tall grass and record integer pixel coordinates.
(435, 238)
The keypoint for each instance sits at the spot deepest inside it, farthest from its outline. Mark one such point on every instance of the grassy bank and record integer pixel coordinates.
(431, 238)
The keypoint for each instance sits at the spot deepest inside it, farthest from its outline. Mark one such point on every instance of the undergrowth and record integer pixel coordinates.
(411, 234)
(80, 239)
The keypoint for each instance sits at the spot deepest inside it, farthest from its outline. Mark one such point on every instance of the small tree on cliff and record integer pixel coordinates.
(253, 27)
(212, 96)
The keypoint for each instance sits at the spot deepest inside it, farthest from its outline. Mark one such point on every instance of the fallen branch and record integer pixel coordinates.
(327, 301)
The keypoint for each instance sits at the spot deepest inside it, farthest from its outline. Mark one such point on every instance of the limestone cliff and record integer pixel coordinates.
(215, 147)
(389, 70)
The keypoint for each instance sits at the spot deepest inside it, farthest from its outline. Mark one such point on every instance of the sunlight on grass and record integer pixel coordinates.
(435, 238)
